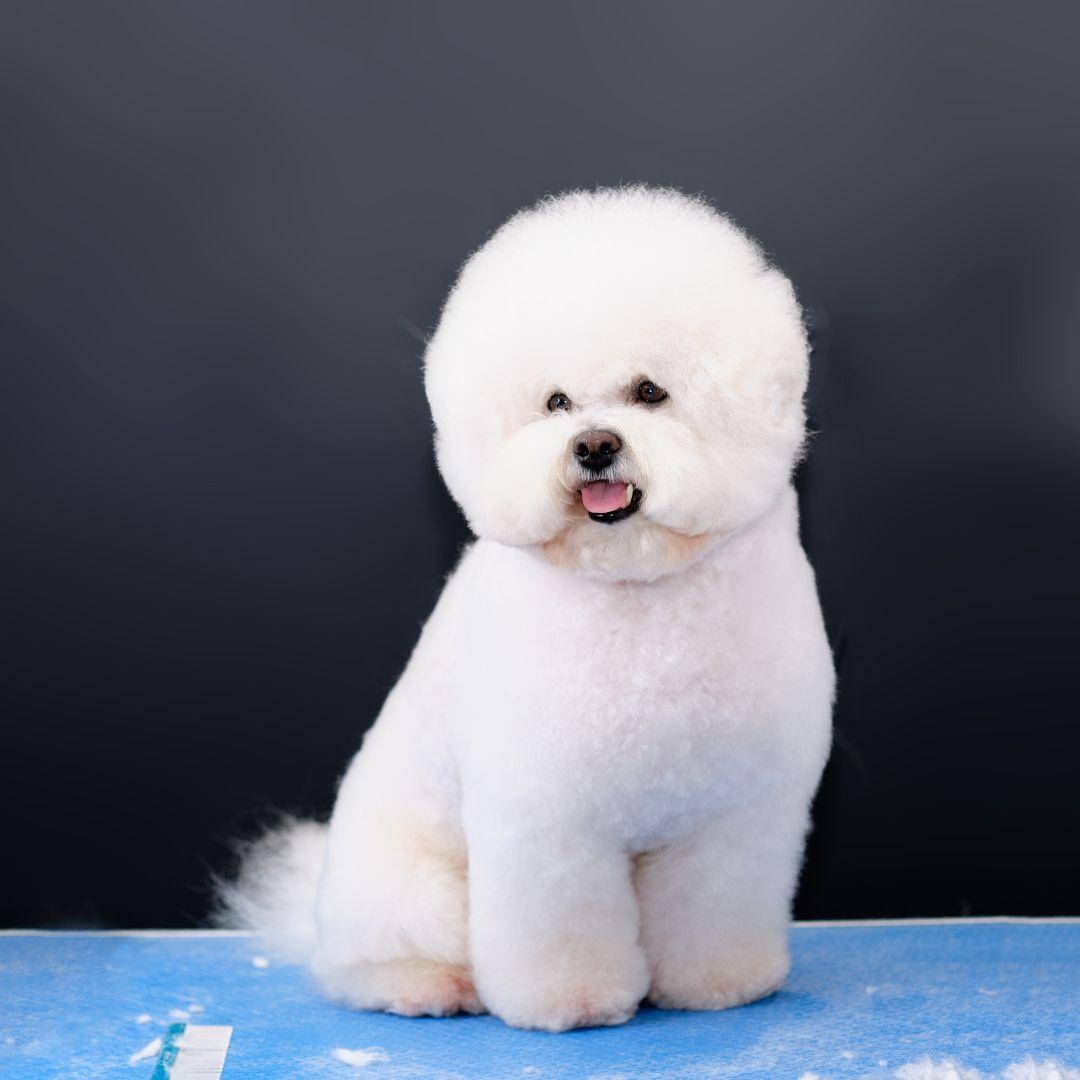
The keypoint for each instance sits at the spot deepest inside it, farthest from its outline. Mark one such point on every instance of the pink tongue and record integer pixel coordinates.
(600, 497)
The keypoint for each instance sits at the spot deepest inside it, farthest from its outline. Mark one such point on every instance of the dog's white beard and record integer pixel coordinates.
(633, 550)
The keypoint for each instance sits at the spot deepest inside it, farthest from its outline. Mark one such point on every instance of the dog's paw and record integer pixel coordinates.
(555, 994)
(736, 982)
(584, 1007)
(436, 990)
(413, 987)
(576, 983)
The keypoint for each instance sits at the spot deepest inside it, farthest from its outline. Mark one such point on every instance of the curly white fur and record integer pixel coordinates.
(591, 783)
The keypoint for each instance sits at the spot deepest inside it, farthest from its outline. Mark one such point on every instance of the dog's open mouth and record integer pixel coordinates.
(607, 502)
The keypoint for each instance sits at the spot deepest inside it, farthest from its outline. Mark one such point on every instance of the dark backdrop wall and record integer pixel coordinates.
(227, 227)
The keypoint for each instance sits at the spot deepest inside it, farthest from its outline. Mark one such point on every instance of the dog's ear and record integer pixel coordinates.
(786, 352)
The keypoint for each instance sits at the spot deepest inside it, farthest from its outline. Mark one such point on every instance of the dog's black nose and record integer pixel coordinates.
(596, 450)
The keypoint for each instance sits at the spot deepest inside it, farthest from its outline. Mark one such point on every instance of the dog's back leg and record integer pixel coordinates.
(392, 909)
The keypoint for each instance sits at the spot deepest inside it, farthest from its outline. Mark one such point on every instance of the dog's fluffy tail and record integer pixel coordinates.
(273, 893)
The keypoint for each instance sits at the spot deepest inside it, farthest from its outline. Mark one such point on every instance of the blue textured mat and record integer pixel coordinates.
(862, 1000)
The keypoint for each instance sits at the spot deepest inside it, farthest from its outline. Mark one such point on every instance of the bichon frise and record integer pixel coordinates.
(591, 784)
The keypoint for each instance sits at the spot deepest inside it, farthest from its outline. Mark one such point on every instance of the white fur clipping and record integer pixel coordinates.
(275, 891)
(1030, 1069)
(151, 1049)
(928, 1069)
(360, 1059)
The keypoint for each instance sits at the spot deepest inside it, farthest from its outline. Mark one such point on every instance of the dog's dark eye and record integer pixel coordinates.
(558, 401)
(649, 392)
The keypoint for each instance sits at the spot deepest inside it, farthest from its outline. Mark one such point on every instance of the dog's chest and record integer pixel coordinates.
(647, 703)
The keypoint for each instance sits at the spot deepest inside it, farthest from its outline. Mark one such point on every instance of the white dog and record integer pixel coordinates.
(591, 784)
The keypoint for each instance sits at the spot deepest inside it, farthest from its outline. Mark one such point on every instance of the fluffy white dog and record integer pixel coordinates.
(591, 784)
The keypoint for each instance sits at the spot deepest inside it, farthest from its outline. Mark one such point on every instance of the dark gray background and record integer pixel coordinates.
(225, 227)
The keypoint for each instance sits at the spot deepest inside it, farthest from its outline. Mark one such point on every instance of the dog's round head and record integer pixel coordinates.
(617, 379)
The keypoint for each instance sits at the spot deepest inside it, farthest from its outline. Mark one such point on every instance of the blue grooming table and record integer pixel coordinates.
(863, 999)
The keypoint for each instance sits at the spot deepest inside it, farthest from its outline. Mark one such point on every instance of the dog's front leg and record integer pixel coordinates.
(715, 908)
(553, 923)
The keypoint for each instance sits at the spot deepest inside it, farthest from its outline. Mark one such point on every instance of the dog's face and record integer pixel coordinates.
(617, 380)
